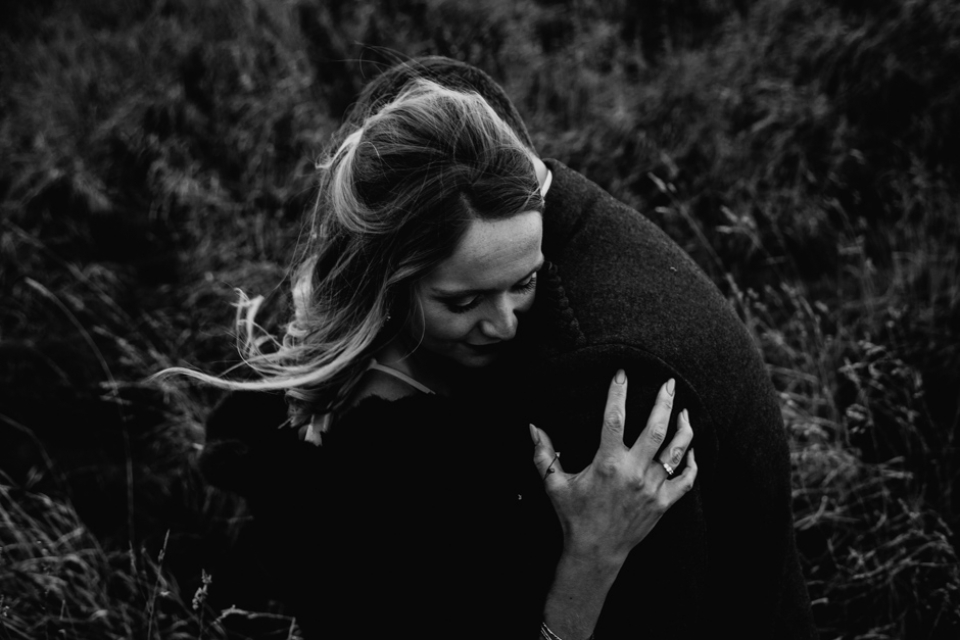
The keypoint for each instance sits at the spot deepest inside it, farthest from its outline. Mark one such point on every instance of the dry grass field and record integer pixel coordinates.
(159, 154)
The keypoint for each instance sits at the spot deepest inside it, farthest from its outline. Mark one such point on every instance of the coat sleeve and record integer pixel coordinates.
(629, 297)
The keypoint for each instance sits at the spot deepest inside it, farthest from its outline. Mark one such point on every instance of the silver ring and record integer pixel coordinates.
(550, 469)
(668, 469)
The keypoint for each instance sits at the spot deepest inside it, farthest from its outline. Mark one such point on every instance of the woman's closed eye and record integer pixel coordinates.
(459, 306)
(527, 285)
(463, 305)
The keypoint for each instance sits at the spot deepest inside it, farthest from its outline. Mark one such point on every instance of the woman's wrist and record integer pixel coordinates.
(598, 557)
(579, 589)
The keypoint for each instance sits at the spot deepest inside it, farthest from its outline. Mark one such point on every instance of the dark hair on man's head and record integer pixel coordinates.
(446, 72)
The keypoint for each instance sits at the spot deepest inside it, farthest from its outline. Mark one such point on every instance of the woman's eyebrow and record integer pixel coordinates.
(460, 293)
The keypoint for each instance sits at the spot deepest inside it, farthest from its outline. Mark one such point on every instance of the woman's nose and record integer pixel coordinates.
(501, 322)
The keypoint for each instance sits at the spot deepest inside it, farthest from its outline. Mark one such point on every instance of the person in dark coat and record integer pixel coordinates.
(616, 292)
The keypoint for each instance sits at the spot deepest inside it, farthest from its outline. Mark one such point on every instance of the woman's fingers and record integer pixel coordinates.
(614, 417)
(671, 457)
(545, 458)
(653, 434)
(609, 507)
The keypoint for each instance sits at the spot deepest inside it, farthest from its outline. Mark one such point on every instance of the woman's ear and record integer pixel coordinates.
(402, 303)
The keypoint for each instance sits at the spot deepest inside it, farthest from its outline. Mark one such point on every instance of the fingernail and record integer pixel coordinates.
(534, 435)
(685, 416)
(621, 376)
(670, 385)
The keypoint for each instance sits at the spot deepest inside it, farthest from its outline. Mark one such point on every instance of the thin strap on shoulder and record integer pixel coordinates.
(399, 375)
(320, 423)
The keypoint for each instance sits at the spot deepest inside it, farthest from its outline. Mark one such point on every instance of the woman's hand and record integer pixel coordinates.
(611, 506)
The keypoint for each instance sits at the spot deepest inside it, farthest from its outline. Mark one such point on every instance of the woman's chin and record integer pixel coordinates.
(479, 356)
(479, 361)
(469, 357)
(465, 357)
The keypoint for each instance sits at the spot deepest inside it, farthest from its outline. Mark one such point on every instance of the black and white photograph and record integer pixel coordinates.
(442, 319)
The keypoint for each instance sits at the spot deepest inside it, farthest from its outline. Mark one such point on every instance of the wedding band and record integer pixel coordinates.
(668, 469)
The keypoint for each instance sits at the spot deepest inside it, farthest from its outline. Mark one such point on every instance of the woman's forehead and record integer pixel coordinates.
(493, 254)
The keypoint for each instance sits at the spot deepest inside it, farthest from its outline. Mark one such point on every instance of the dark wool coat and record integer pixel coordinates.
(617, 293)
(724, 556)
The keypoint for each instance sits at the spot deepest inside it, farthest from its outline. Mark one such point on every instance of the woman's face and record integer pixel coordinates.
(469, 303)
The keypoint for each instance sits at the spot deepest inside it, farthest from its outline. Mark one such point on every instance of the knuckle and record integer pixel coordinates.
(556, 491)
(675, 456)
(657, 435)
(614, 417)
(606, 469)
(638, 483)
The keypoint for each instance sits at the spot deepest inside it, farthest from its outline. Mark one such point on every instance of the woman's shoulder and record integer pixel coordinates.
(379, 382)
(242, 432)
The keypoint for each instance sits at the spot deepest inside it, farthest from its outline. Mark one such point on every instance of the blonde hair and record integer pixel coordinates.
(395, 199)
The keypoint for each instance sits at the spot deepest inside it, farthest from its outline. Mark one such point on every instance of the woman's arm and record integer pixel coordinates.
(577, 595)
(611, 506)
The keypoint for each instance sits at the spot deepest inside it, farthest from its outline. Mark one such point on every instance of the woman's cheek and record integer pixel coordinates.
(443, 324)
(462, 325)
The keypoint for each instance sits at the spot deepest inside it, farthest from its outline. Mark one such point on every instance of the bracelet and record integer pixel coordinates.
(546, 633)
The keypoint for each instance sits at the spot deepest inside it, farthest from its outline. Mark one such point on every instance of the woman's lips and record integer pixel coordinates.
(491, 347)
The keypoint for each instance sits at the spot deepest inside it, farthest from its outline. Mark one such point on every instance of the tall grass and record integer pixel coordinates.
(58, 580)
(159, 153)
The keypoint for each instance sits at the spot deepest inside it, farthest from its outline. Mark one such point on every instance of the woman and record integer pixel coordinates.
(404, 375)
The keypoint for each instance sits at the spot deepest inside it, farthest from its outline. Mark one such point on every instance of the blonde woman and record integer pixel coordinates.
(386, 447)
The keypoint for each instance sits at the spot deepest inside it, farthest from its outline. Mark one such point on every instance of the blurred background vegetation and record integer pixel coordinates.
(159, 154)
